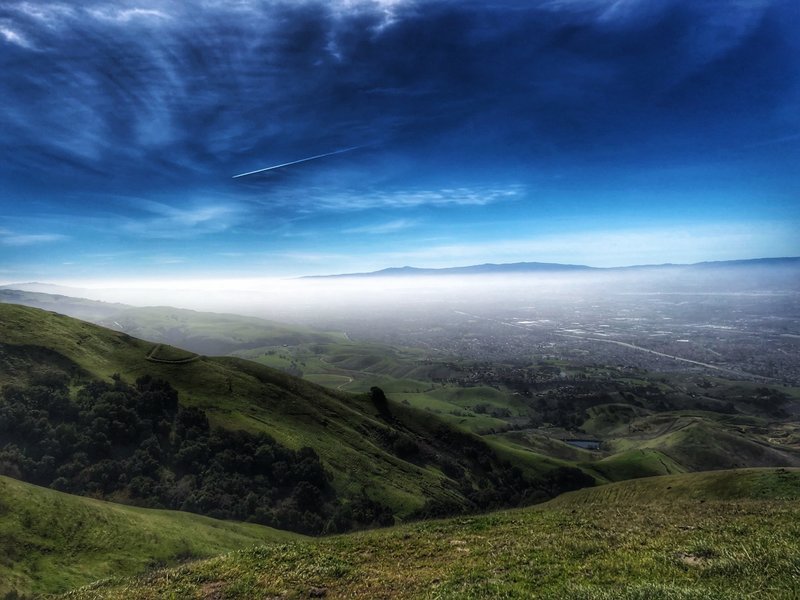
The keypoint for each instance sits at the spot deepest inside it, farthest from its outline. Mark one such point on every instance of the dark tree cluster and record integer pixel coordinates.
(498, 412)
(768, 400)
(481, 478)
(484, 480)
(136, 444)
(567, 406)
(504, 487)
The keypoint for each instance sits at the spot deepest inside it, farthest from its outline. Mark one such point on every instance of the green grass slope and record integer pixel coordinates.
(355, 442)
(729, 485)
(633, 464)
(705, 441)
(328, 358)
(691, 536)
(80, 308)
(51, 542)
(201, 332)
(638, 415)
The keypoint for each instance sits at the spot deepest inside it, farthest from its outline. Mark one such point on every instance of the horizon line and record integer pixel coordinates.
(8, 284)
(551, 264)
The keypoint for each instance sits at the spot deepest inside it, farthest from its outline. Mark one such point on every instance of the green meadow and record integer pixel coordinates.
(730, 534)
(51, 542)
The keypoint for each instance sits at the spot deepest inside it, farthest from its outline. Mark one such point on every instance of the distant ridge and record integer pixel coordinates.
(45, 288)
(538, 267)
(521, 267)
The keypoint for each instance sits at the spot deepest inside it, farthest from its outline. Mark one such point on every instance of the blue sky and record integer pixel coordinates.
(579, 131)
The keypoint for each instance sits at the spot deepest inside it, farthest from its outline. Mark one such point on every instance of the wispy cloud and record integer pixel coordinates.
(460, 196)
(387, 9)
(172, 222)
(8, 238)
(124, 15)
(167, 99)
(49, 13)
(12, 36)
(382, 228)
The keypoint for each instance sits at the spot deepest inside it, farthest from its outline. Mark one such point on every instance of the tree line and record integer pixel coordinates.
(135, 444)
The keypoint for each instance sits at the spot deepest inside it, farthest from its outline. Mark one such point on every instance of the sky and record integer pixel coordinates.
(594, 132)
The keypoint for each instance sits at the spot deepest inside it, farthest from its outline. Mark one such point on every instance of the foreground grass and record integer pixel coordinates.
(708, 540)
(51, 542)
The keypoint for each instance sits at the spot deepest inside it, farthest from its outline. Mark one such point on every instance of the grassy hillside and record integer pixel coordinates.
(729, 485)
(632, 464)
(628, 413)
(701, 441)
(51, 542)
(211, 333)
(201, 332)
(405, 459)
(730, 424)
(691, 536)
(679, 422)
(81, 308)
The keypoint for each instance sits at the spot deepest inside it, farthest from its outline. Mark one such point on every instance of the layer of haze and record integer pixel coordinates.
(316, 301)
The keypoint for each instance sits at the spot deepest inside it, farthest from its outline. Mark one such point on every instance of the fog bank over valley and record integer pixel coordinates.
(739, 320)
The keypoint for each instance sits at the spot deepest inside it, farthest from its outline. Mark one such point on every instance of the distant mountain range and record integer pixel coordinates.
(538, 267)
(484, 269)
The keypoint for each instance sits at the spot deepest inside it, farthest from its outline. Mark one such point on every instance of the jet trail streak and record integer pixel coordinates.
(294, 162)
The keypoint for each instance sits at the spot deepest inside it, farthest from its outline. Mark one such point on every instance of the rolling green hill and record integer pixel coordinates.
(80, 308)
(413, 453)
(730, 534)
(703, 441)
(731, 424)
(200, 332)
(677, 422)
(328, 358)
(404, 459)
(727, 485)
(51, 542)
(642, 419)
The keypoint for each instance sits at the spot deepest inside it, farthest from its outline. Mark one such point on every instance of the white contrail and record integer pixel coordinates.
(294, 162)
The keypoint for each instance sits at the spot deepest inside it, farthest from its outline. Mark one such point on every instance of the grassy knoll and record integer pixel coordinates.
(691, 536)
(729, 485)
(336, 382)
(702, 441)
(546, 445)
(51, 542)
(80, 308)
(536, 450)
(632, 464)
